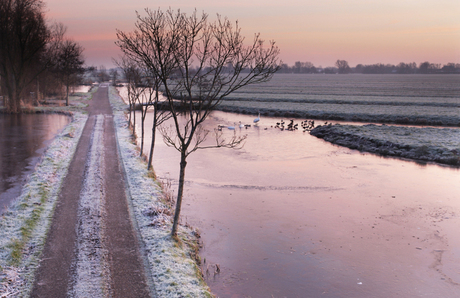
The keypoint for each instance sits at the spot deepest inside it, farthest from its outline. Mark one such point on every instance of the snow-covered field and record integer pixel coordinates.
(389, 113)
(403, 99)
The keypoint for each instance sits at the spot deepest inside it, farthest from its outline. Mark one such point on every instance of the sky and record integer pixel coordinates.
(320, 32)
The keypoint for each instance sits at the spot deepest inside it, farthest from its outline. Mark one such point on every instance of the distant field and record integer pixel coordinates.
(405, 99)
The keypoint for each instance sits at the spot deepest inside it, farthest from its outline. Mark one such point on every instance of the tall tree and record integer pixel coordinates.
(68, 62)
(191, 57)
(114, 76)
(133, 76)
(24, 37)
(160, 114)
(343, 66)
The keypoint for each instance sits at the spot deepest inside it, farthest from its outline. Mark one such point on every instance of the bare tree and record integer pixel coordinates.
(127, 68)
(24, 37)
(103, 76)
(150, 97)
(145, 100)
(199, 63)
(68, 64)
(134, 86)
(114, 76)
(343, 66)
(161, 113)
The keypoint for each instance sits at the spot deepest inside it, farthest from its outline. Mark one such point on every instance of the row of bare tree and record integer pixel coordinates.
(342, 66)
(195, 63)
(32, 51)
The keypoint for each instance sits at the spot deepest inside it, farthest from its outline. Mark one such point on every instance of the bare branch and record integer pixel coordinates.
(199, 63)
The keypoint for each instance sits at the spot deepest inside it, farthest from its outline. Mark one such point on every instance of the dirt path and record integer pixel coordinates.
(92, 249)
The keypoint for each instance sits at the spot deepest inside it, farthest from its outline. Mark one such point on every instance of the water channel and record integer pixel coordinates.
(24, 137)
(290, 215)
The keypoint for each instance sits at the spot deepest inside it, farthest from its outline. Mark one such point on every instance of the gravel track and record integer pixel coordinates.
(91, 249)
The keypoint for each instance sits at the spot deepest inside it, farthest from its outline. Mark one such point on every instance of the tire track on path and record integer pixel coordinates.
(91, 274)
(91, 249)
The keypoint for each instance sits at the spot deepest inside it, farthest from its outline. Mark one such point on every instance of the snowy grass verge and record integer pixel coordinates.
(24, 225)
(441, 145)
(171, 263)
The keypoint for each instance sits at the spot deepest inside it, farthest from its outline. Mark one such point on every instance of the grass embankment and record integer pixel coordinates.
(24, 225)
(428, 144)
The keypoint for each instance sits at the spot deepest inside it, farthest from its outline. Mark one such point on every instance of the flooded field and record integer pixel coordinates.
(290, 215)
(24, 137)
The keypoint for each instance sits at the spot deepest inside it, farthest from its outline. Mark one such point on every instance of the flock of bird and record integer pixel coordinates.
(306, 125)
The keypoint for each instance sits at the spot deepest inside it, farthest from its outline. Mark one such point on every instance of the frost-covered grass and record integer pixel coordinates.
(77, 101)
(432, 144)
(370, 88)
(24, 225)
(446, 138)
(172, 268)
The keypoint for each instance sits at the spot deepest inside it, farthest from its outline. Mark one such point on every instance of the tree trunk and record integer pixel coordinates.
(14, 105)
(183, 164)
(130, 111)
(134, 118)
(142, 127)
(154, 128)
(37, 96)
(67, 95)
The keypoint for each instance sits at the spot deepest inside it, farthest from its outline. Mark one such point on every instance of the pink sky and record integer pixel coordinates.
(359, 31)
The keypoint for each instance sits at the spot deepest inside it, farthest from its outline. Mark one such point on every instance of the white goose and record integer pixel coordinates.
(257, 119)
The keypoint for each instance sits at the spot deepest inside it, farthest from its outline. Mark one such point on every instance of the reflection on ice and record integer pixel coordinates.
(23, 140)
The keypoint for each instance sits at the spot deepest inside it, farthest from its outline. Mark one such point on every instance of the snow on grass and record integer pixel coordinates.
(440, 145)
(77, 101)
(24, 225)
(446, 138)
(173, 271)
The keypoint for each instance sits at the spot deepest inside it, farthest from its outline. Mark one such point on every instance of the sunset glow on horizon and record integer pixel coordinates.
(359, 31)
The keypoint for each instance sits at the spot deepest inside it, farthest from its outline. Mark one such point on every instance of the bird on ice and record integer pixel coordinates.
(257, 119)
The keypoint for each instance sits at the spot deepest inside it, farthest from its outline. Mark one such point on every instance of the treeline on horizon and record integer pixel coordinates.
(342, 67)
